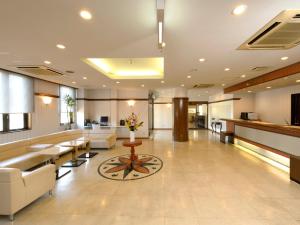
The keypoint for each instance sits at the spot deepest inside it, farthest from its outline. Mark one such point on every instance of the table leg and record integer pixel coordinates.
(133, 156)
(88, 154)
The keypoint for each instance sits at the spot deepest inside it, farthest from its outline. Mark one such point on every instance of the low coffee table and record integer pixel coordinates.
(88, 154)
(74, 144)
(55, 153)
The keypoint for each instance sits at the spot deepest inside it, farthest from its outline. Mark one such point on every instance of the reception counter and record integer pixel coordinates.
(276, 142)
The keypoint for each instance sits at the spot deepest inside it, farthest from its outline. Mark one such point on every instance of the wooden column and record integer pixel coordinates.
(180, 125)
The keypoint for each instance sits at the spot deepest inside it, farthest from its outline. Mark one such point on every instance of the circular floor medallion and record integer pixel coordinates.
(123, 168)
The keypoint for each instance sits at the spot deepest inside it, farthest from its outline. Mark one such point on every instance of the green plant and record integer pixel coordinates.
(70, 102)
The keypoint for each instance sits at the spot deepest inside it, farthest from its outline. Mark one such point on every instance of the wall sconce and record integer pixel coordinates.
(47, 100)
(131, 103)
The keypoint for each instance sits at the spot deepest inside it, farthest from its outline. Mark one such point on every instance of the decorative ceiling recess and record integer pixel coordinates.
(203, 85)
(128, 68)
(283, 32)
(39, 70)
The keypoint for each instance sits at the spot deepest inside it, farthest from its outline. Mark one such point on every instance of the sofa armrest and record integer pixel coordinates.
(38, 175)
(39, 181)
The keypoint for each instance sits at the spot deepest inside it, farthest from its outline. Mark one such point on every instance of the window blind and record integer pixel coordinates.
(16, 93)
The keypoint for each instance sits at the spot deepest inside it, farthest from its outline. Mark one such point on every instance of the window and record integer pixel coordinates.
(14, 122)
(67, 113)
(16, 101)
(1, 122)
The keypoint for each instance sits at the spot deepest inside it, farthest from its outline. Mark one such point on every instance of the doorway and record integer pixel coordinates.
(197, 115)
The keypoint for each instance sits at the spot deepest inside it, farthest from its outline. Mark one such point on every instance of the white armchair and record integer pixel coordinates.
(18, 189)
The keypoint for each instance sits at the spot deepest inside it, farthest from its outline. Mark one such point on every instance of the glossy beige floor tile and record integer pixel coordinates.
(202, 182)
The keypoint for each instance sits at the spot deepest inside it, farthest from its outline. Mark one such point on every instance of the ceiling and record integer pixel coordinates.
(193, 29)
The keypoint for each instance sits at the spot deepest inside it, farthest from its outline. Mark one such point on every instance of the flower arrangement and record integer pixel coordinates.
(132, 122)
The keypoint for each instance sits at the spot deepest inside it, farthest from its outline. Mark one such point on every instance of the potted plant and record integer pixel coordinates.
(132, 122)
(70, 102)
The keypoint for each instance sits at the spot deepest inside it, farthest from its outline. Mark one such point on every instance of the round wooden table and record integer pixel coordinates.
(127, 143)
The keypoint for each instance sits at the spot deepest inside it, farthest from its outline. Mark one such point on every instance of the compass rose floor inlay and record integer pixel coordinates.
(122, 168)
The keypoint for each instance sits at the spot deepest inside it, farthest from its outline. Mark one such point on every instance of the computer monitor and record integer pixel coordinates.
(104, 121)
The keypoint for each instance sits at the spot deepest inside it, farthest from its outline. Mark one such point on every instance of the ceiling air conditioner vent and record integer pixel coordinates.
(203, 85)
(259, 68)
(40, 70)
(297, 16)
(283, 32)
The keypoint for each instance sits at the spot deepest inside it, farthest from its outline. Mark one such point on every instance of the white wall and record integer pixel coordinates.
(275, 105)
(246, 104)
(229, 109)
(118, 109)
(45, 118)
(163, 116)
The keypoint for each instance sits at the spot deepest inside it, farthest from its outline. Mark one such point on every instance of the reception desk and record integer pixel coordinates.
(276, 142)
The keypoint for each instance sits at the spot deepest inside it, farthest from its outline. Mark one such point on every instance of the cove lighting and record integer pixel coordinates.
(263, 158)
(128, 68)
(136, 73)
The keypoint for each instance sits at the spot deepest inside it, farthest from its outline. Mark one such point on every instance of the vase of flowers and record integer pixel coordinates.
(132, 122)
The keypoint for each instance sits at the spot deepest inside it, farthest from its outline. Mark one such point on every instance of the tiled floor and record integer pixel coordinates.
(202, 182)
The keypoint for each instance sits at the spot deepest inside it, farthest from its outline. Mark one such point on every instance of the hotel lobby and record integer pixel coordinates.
(154, 112)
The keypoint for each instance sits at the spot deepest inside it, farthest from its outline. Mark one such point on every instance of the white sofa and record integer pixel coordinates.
(18, 189)
(101, 137)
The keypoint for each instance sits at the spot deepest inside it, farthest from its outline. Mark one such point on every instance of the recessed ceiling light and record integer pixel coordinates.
(239, 10)
(163, 44)
(47, 62)
(268, 87)
(103, 85)
(182, 85)
(249, 91)
(73, 82)
(162, 82)
(60, 46)
(117, 82)
(189, 76)
(142, 85)
(84, 78)
(298, 81)
(227, 69)
(85, 14)
(243, 76)
(199, 95)
(201, 60)
(223, 85)
(284, 58)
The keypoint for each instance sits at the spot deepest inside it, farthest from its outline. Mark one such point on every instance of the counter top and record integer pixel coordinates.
(271, 127)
